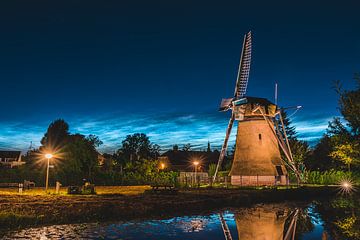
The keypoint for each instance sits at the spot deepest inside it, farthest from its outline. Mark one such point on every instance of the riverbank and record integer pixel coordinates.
(31, 209)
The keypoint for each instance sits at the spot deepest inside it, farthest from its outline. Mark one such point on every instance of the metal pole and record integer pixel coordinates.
(195, 174)
(47, 175)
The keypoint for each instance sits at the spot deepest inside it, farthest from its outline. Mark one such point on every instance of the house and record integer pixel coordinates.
(10, 159)
(183, 161)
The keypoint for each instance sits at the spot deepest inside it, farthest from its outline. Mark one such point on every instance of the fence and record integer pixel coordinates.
(192, 179)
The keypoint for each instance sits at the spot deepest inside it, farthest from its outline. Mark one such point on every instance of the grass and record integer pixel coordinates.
(100, 190)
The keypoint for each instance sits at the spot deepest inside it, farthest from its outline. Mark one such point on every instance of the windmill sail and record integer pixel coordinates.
(240, 90)
(244, 67)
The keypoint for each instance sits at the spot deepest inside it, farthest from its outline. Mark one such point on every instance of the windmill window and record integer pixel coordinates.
(259, 136)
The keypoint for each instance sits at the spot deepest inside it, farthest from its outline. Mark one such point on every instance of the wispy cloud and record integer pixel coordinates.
(165, 129)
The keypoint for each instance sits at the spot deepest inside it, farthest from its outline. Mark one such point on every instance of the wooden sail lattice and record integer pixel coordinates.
(240, 90)
(225, 228)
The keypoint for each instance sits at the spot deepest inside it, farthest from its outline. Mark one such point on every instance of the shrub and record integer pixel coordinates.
(330, 177)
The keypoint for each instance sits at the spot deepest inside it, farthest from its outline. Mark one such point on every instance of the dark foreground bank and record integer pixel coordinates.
(21, 211)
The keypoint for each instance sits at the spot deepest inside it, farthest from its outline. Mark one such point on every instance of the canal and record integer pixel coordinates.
(332, 219)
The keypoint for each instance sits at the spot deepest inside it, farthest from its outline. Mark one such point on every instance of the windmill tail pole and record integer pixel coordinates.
(290, 234)
(285, 150)
(282, 146)
(289, 148)
(224, 147)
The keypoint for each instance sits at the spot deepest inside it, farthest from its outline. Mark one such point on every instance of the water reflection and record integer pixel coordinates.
(265, 222)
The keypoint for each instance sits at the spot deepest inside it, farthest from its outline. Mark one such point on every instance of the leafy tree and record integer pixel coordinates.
(138, 147)
(319, 158)
(56, 134)
(76, 156)
(80, 158)
(347, 153)
(186, 147)
(175, 148)
(345, 141)
(108, 163)
(349, 105)
(336, 128)
(212, 169)
(300, 151)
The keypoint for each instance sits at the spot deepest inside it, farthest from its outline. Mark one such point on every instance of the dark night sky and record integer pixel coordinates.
(112, 68)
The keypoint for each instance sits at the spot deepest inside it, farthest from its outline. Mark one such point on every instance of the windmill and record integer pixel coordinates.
(257, 159)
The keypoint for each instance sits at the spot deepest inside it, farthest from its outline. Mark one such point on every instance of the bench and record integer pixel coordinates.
(163, 188)
(25, 185)
(9, 185)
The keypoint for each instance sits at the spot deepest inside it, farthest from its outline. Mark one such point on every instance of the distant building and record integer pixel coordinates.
(181, 160)
(11, 159)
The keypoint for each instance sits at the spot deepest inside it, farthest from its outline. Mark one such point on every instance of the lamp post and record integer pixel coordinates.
(196, 163)
(48, 156)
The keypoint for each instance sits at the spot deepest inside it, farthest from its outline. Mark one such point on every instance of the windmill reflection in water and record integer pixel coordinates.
(274, 223)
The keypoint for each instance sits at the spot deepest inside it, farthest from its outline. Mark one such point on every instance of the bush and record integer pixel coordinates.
(166, 178)
(330, 177)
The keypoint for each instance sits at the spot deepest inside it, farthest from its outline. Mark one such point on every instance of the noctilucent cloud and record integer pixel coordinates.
(161, 67)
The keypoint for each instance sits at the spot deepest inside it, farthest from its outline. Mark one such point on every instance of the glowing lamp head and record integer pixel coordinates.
(48, 156)
(162, 165)
(196, 163)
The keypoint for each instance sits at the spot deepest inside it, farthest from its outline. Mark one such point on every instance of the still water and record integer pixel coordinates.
(265, 222)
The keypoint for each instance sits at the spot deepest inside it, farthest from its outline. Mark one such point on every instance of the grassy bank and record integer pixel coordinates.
(125, 203)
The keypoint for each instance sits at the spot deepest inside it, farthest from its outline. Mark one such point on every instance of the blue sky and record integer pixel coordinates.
(162, 67)
(164, 128)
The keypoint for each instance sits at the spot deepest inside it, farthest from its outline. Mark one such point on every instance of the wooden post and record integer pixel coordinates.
(57, 189)
(21, 186)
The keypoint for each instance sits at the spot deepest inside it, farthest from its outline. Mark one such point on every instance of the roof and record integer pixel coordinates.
(10, 154)
(226, 103)
(257, 100)
(182, 160)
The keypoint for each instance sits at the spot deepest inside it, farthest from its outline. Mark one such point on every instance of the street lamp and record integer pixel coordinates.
(48, 156)
(162, 166)
(196, 163)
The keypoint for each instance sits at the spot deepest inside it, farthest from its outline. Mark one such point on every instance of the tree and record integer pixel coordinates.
(290, 130)
(186, 147)
(76, 156)
(56, 134)
(80, 158)
(349, 105)
(319, 158)
(212, 169)
(347, 153)
(300, 151)
(346, 140)
(208, 147)
(138, 147)
(175, 148)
